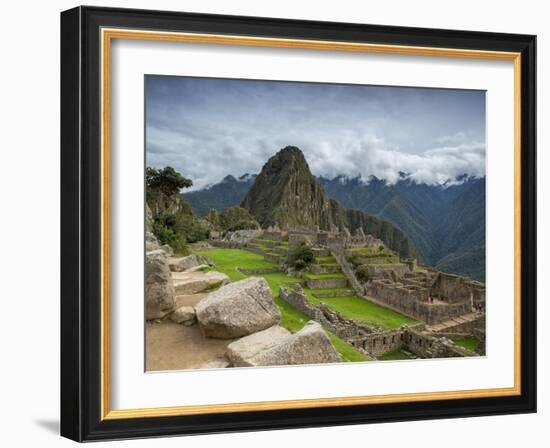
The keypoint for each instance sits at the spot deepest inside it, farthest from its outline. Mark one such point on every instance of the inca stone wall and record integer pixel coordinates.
(468, 327)
(451, 288)
(332, 320)
(381, 343)
(427, 346)
(323, 283)
(414, 301)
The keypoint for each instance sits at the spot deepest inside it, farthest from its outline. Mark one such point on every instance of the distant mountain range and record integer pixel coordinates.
(446, 223)
(229, 192)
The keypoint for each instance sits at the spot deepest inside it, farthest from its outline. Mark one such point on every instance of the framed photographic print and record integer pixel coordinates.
(273, 223)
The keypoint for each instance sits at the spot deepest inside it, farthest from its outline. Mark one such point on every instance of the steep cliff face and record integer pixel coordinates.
(286, 194)
(172, 220)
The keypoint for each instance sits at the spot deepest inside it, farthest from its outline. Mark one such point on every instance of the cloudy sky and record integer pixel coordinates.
(209, 128)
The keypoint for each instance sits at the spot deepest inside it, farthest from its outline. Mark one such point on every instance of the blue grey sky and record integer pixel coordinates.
(209, 128)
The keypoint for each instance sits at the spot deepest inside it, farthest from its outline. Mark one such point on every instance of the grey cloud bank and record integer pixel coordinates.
(208, 128)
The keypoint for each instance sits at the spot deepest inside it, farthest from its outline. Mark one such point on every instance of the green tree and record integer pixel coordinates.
(300, 256)
(167, 180)
(237, 218)
(362, 274)
(174, 222)
(213, 218)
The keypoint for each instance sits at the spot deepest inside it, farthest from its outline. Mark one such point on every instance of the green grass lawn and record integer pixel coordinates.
(467, 342)
(387, 264)
(323, 276)
(322, 260)
(354, 307)
(396, 356)
(228, 260)
(261, 247)
(335, 291)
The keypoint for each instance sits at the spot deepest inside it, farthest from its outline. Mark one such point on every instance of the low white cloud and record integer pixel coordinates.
(207, 162)
(207, 129)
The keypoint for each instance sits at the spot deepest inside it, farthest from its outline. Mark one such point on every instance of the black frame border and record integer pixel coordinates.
(81, 224)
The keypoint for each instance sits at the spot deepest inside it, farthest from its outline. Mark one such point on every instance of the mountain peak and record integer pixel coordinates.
(229, 178)
(284, 190)
(285, 193)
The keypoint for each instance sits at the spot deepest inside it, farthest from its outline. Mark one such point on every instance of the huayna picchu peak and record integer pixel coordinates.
(287, 195)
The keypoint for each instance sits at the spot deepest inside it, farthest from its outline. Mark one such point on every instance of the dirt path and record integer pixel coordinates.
(171, 346)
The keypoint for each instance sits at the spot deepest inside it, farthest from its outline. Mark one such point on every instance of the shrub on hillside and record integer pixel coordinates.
(300, 256)
(179, 229)
(362, 274)
(167, 235)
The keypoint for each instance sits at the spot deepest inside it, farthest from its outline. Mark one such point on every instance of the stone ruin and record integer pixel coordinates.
(446, 303)
(428, 296)
(371, 340)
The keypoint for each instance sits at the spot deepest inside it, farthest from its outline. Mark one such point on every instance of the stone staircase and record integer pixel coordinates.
(448, 325)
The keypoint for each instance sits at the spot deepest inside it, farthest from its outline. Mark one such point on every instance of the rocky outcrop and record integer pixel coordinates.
(194, 282)
(310, 345)
(184, 315)
(241, 352)
(167, 250)
(183, 263)
(149, 221)
(151, 242)
(159, 286)
(238, 309)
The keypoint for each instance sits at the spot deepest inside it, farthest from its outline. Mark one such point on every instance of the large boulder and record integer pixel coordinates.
(216, 364)
(310, 345)
(159, 287)
(184, 315)
(183, 263)
(238, 309)
(194, 282)
(240, 352)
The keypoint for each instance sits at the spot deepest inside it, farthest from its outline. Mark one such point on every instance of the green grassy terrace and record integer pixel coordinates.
(386, 264)
(330, 291)
(322, 276)
(351, 306)
(228, 260)
(321, 260)
(364, 252)
(354, 307)
(467, 342)
(272, 242)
